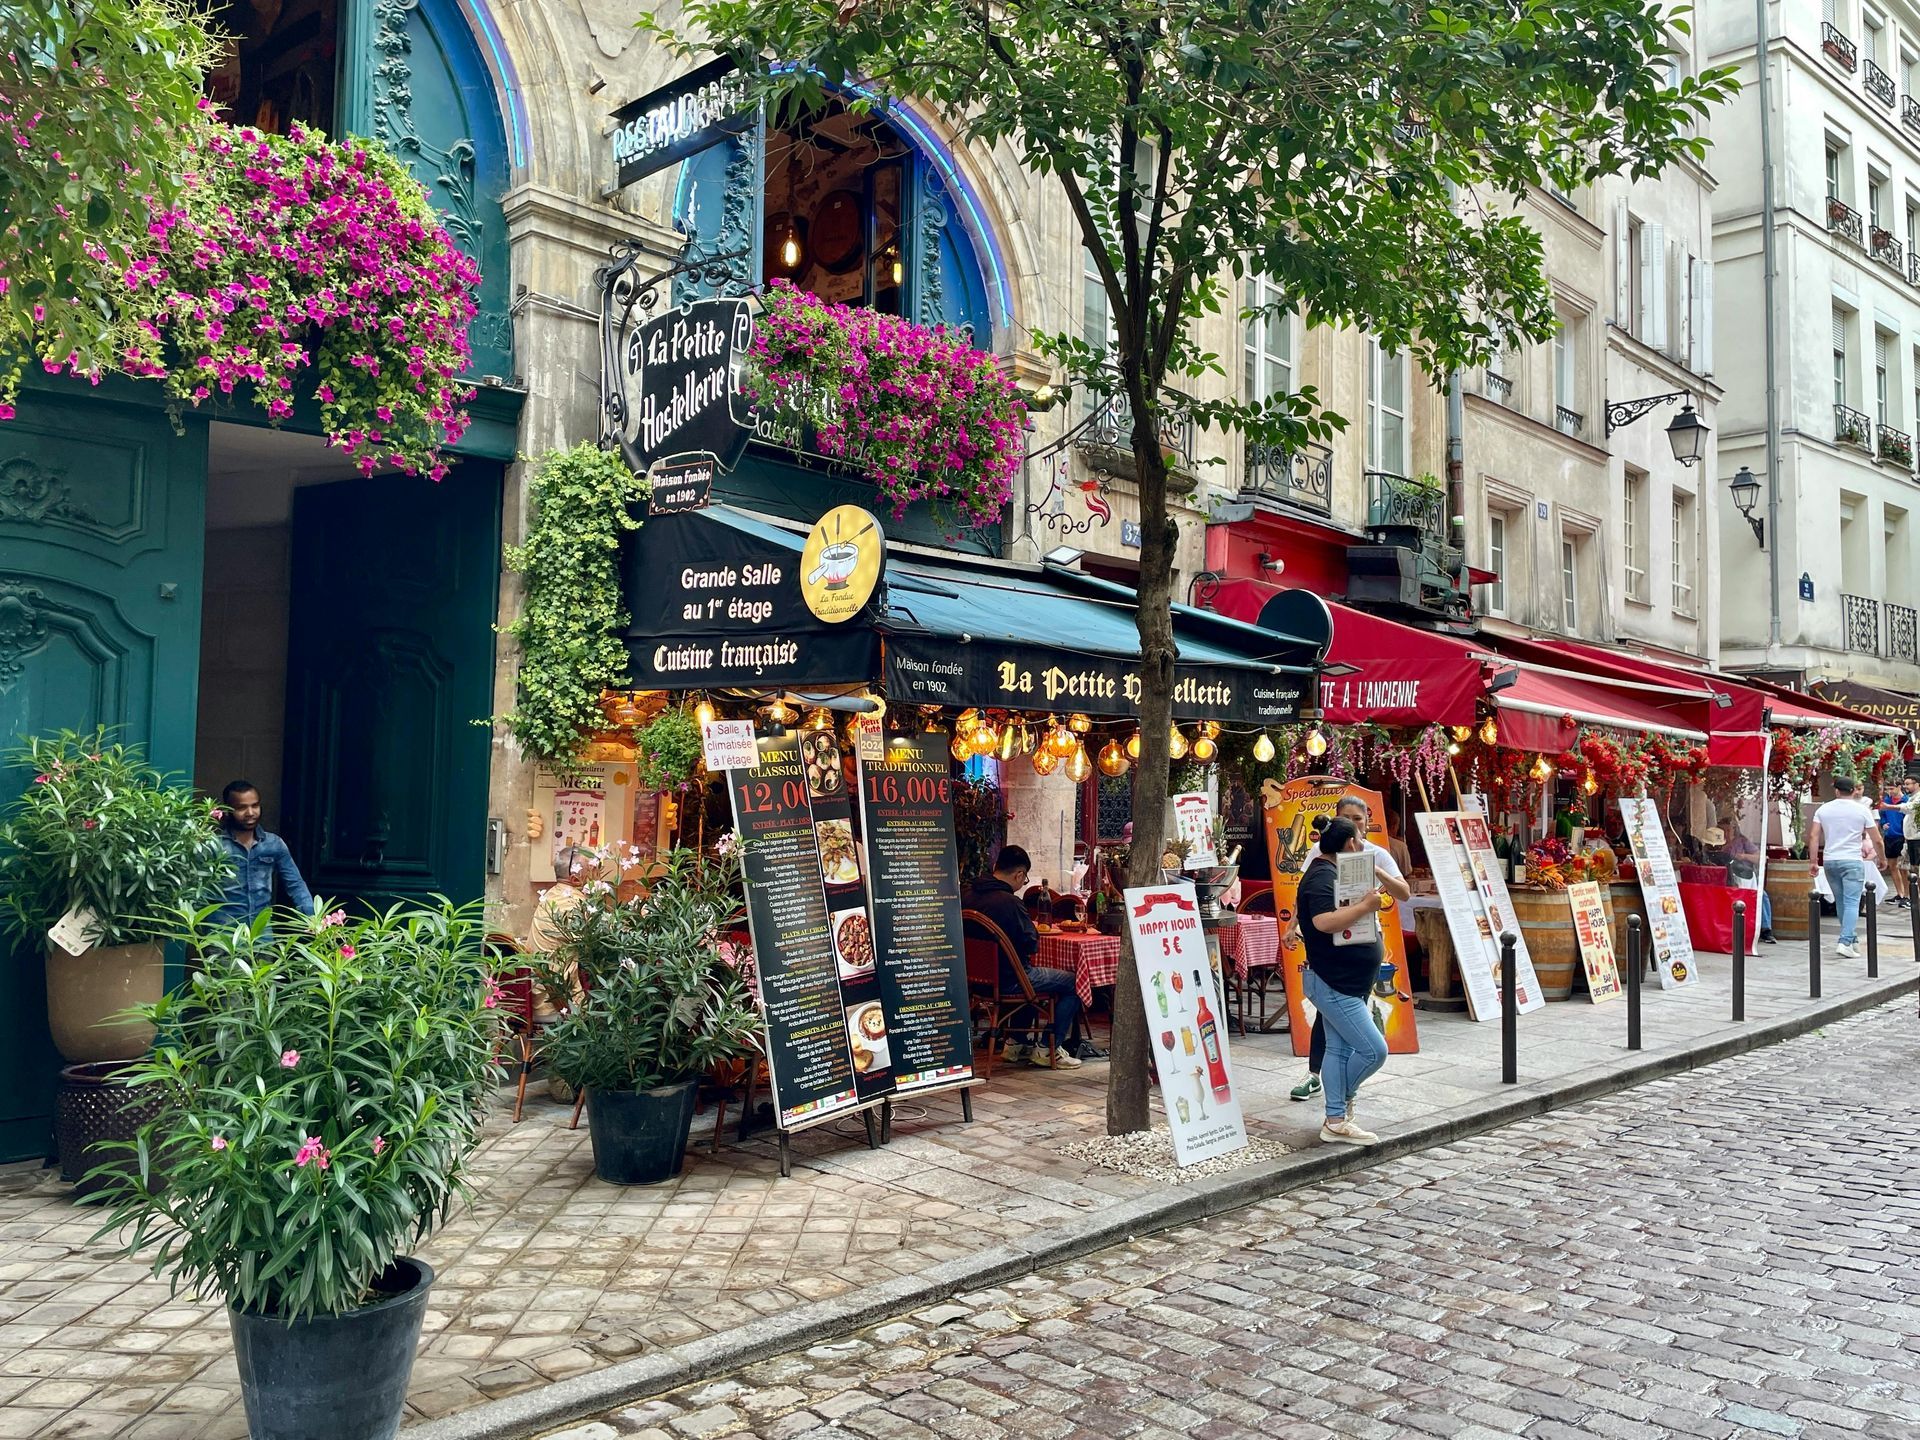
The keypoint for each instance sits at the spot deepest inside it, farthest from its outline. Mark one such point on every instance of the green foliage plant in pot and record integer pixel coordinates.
(100, 833)
(324, 1091)
(652, 1002)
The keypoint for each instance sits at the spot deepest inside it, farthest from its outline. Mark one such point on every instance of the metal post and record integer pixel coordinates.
(1509, 1014)
(1739, 959)
(1913, 915)
(1634, 923)
(1813, 945)
(1872, 907)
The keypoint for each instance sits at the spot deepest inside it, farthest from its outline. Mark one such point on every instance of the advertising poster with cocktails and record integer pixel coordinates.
(1187, 1021)
(1290, 810)
(1667, 930)
(1594, 932)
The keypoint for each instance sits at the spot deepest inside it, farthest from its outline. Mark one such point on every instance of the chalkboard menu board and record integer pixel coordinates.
(906, 816)
(810, 1063)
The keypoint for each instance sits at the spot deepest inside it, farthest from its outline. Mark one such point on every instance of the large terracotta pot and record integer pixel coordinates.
(83, 990)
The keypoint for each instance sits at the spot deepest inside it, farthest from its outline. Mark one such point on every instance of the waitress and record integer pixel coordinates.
(1340, 974)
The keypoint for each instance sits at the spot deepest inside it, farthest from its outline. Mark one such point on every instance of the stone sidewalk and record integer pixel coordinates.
(560, 1296)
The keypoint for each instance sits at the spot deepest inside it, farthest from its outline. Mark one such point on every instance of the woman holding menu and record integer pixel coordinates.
(1344, 955)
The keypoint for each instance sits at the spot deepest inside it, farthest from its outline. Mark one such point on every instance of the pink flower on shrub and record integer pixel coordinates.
(347, 952)
(312, 1151)
(494, 993)
(219, 1142)
(289, 1059)
(41, 780)
(379, 1143)
(333, 918)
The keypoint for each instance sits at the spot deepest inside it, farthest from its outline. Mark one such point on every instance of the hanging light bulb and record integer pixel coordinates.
(704, 712)
(1113, 760)
(1026, 738)
(790, 249)
(1453, 747)
(1263, 748)
(930, 723)
(1176, 745)
(1541, 769)
(1061, 742)
(1204, 749)
(1009, 742)
(985, 738)
(1316, 743)
(1210, 729)
(1589, 785)
(896, 272)
(1079, 767)
(1489, 732)
(959, 748)
(1045, 762)
(1079, 724)
(820, 720)
(781, 713)
(1463, 733)
(1133, 745)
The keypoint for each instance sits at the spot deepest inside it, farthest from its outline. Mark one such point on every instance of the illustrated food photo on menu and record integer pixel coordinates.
(821, 752)
(839, 856)
(853, 942)
(867, 1028)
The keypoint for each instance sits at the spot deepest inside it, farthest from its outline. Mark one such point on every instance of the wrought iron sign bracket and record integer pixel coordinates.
(1625, 412)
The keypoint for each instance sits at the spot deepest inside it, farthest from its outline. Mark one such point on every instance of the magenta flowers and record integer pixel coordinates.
(917, 408)
(312, 1152)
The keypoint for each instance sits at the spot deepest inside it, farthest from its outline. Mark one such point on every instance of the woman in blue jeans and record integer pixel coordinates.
(1340, 972)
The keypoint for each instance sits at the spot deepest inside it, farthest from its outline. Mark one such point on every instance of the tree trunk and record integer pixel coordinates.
(1127, 1075)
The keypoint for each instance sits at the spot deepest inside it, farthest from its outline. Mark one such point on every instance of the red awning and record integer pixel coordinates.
(1791, 708)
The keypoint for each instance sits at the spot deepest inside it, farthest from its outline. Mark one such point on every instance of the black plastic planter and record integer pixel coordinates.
(640, 1137)
(334, 1376)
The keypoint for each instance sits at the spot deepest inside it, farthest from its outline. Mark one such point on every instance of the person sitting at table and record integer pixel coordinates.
(997, 897)
(1743, 871)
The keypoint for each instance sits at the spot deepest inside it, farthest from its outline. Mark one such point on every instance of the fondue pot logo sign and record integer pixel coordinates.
(840, 566)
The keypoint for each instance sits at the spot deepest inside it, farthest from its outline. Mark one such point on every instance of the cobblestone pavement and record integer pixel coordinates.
(1730, 1253)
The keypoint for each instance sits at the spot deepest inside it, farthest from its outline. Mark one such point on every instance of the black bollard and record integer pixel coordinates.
(1509, 1014)
(1870, 903)
(1633, 982)
(1913, 914)
(1813, 945)
(1739, 959)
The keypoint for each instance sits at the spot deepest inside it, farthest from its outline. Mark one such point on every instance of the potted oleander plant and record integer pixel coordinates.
(101, 840)
(653, 999)
(323, 1086)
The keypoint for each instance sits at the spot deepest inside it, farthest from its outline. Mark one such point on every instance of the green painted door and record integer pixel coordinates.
(389, 667)
(102, 531)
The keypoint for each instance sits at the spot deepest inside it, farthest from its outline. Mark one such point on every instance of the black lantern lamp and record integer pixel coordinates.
(1687, 434)
(1746, 495)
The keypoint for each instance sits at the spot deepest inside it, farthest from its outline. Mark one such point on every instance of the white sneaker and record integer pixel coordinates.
(1345, 1132)
(1059, 1060)
(1016, 1054)
(1846, 952)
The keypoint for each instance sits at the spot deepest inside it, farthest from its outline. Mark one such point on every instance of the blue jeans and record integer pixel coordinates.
(1355, 1046)
(1066, 1004)
(1847, 878)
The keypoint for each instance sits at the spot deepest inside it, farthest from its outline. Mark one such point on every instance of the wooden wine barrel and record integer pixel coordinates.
(1790, 888)
(1625, 897)
(1546, 919)
(1437, 941)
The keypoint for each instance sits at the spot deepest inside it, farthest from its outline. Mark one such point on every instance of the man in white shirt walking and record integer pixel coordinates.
(1844, 840)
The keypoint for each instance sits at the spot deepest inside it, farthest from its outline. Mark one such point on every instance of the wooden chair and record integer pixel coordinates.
(987, 945)
(516, 1000)
(1258, 903)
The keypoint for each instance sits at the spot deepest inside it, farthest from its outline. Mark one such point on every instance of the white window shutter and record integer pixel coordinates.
(1653, 284)
(1703, 324)
(1701, 321)
(1676, 345)
(1623, 315)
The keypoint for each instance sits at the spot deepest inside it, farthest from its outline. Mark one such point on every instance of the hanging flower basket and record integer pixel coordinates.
(917, 408)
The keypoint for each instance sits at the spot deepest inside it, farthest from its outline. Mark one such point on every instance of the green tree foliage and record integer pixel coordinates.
(1364, 155)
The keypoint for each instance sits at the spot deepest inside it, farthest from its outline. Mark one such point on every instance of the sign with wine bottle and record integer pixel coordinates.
(1187, 1021)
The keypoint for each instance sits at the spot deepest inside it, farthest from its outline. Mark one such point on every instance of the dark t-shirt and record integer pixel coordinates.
(1350, 969)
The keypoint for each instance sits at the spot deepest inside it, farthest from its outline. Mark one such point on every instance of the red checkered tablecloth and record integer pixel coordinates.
(1094, 960)
(1253, 944)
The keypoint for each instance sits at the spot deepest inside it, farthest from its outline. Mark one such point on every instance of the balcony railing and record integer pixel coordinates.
(1843, 219)
(1882, 245)
(1894, 445)
(1877, 83)
(1910, 112)
(1901, 635)
(1109, 434)
(1302, 476)
(1497, 386)
(1838, 47)
(1395, 502)
(1852, 427)
(1863, 623)
(1568, 422)
(1913, 267)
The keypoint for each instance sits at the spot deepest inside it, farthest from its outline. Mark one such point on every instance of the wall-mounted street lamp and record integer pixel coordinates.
(1687, 434)
(1746, 494)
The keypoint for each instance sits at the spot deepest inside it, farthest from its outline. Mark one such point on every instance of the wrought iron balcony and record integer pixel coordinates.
(1894, 445)
(1302, 476)
(1396, 503)
(1910, 112)
(1882, 245)
(1852, 427)
(1496, 386)
(1901, 635)
(1863, 623)
(1843, 219)
(1568, 422)
(1877, 83)
(1913, 267)
(1107, 437)
(1838, 47)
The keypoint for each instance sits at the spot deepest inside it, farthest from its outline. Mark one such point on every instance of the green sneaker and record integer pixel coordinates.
(1306, 1089)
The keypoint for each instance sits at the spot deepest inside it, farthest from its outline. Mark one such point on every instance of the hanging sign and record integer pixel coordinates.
(680, 485)
(1193, 823)
(728, 745)
(841, 563)
(662, 128)
(1667, 930)
(1184, 1017)
(680, 377)
(913, 889)
(1595, 936)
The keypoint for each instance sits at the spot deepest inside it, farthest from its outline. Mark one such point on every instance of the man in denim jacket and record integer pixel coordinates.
(259, 857)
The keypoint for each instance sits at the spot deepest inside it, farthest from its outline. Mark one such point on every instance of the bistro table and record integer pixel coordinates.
(1093, 959)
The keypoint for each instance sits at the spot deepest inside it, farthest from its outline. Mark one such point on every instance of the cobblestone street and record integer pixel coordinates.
(1733, 1252)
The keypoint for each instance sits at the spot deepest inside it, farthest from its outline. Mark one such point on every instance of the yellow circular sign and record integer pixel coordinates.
(841, 563)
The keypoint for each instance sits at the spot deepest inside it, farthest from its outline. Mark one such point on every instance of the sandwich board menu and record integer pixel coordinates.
(917, 944)
(810, 1063)
(1184, 1014)
(1667, 930)
(1466, 876)
(1595, 936)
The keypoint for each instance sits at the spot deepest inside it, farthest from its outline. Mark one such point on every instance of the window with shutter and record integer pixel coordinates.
(1624, 314)
(1706, 316)
(1653, 285)
(1267, 347)
(1839, 356)
(1830, 12)
(1880, 376)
